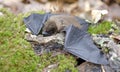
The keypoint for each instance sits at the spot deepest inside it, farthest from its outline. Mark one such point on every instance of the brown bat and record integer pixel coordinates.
(57, 23)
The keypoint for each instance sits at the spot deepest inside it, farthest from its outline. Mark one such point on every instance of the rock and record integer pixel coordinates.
(109, 2)
(50, 67)
(42, 40)
(48, 44)
(113, 53)
(66, 1)
(107, 68)
(117, 39)
(1, 14)
(89, 67)
(14, 5)
(97, 15)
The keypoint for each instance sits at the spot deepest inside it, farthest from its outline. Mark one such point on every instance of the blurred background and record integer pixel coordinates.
(82, 8)
(17, 55)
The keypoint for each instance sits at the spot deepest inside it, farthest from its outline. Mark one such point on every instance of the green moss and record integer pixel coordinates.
(101, 28)
(65, 63)
(16, 54)
(105, 50)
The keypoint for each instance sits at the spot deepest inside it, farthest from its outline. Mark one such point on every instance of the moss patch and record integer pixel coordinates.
(16, 54)
(102, 28)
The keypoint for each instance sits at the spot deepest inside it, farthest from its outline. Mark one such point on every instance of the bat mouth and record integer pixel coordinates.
(49, 32)
(49, 29)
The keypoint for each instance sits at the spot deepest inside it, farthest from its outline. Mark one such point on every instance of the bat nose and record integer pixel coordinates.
(45, 33)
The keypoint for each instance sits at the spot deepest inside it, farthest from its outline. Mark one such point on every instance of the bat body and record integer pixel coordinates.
(57, 23)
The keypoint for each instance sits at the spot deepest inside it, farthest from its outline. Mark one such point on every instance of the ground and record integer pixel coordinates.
(17, 55)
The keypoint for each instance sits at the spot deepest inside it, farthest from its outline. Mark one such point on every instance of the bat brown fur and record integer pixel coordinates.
(57, 23)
